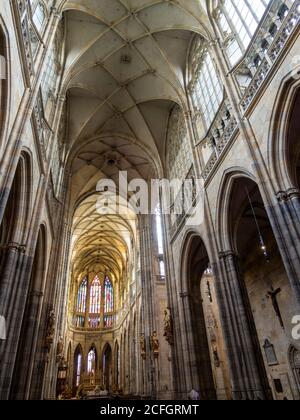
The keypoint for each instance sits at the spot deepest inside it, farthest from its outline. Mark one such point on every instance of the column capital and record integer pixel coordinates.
(289, 194)
(13, 246)
(184, 295)
(224, 255)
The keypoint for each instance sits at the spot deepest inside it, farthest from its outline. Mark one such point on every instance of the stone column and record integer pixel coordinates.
(15, 279)
(147, 284)
(27, 346)
(287, 227)
(189, 358)
(248, 378)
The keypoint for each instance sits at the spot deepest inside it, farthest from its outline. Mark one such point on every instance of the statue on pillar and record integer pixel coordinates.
(155, 344)
(215, 353)
(168, 327)
(50, 329)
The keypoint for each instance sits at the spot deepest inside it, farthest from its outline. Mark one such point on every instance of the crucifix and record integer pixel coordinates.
(272, 294)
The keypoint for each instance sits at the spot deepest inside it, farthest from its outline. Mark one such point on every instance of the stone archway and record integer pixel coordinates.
(107, 367)
(205, 354)
(265, 289)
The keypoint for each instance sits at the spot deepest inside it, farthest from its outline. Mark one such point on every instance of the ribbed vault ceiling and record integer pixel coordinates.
(125, 65)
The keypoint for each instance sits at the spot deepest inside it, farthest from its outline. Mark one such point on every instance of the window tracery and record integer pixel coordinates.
(206, 88)
(95, 302)
(179, 153)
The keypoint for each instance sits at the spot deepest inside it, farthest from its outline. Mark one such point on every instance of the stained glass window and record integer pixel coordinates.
(108, 321)
(81, 298)
(98, 312)
(108, 296)
(80, 321)
(95, 296)
(78, 369)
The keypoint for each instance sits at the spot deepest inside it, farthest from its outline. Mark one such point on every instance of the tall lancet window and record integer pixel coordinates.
(81, 304)
(238, 21)
(109, 296)
(207, 91)
(78, 367)
(179, 151)
(95, 296)
(108, 303)
(81, 297)
(95, 303)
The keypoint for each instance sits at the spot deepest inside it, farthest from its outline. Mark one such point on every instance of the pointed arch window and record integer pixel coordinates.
(81, 298)
(95, 296)
(108, 296)
(238, 21)
(78, 366)
(108, 303)
(179, 151)
(206, 88)
(94, 306)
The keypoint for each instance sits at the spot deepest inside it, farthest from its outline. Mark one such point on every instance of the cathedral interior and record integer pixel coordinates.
(98, 302)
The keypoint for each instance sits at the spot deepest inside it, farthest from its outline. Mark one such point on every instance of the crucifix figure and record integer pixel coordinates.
(273, 296)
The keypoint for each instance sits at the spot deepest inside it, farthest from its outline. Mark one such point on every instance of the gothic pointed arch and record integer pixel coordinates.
(194, 264)
(30, 348)
(78, 367)
(107, 366)
(284, 154)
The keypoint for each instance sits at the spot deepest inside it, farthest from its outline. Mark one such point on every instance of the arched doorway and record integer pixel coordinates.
(205, 343)
(107, 367)
(266, 290)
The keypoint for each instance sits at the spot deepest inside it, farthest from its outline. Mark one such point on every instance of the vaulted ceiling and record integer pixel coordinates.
(125, 65)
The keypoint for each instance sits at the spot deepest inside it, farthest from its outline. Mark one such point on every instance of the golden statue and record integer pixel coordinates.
(168, 327)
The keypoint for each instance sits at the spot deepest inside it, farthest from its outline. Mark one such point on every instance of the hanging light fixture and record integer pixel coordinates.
(263, 246)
